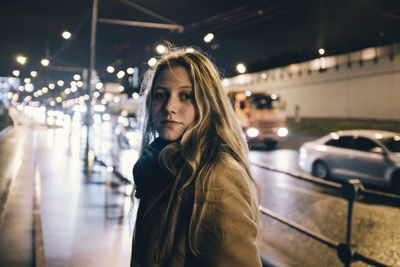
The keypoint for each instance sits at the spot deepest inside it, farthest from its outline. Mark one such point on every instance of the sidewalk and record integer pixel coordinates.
(84, 220)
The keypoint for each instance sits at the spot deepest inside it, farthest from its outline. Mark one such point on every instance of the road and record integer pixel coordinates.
(86, 220)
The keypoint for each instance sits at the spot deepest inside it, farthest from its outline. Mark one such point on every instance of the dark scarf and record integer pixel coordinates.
(149, 176)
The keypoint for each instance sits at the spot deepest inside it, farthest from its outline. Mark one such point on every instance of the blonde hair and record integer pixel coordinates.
(214, 137)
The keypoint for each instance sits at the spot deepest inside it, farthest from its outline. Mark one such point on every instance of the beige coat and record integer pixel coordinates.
(228, 235)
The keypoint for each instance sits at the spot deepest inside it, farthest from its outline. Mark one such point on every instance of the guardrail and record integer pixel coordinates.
(352, 190)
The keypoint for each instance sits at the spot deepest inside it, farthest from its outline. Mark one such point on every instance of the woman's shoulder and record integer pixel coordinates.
(231, 178)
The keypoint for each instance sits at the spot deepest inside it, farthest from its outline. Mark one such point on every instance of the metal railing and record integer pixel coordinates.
(351, 190)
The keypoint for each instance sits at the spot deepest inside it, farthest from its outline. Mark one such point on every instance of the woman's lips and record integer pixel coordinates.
(169, 123)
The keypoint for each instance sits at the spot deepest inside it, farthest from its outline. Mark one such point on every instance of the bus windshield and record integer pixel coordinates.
(261, 101)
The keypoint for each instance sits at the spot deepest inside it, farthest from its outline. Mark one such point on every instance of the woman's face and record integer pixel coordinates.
(172, 108)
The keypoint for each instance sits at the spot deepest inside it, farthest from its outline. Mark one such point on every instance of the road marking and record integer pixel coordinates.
(39, 255)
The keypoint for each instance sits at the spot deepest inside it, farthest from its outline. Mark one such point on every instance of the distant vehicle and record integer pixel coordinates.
(372, 156)
(262, 116)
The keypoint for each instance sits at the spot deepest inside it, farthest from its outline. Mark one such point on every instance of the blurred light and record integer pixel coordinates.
(123, 113)
(16, 73)
(81, 108)
(73, 83)
(264, 76)
(161, 49)
(21, 88)
(96, 94)
(110, 168)
(9, 95)
(135, 95)
(45, 89)
(241, 68)
(86, 97)
(274, 96)
(52, 86)
(106, 117)
(39, 92)
(378, 136)
(116, 99)
(59, 99)
(396, 138)
(152, 61)
(110, 69)
(66, 35)
(45, 62)
(74, 89)
(130, 70)
(77, 77)
(99, 108)
(33, 73)
(60, 83)
(52, 103)
(67, 91)
(99, 85)
(27, 80)
(121, 88)
(29, 87)
(225, 82)
(79, 83)
(190, 50)
(334, 136)
(320, 148)
(252, 132)
(282, 132)
(248, 93)
(121, 74)
(209, 37)
(35, 94)
(21, 60)
(321, 51)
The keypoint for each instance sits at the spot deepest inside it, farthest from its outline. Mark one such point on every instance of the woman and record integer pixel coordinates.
(198, 200)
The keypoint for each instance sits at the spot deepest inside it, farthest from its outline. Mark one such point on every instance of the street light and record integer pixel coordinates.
(241, 68)
(66, 35)
(152, 61)
(321, 51)
(110, 69)
(45, 62)
(209, 37)
(161, 49)
(130, 70)
(21, 60)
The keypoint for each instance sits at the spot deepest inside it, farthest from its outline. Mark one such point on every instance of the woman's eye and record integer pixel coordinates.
(159, 95)
(188, 96)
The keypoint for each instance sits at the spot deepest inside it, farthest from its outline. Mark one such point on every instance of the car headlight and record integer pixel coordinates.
(252, 132)
(282, 131)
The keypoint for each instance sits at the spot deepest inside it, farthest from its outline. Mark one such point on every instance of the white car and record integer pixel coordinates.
(372, 156)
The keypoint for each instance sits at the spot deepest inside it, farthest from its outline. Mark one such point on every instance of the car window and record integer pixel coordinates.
(364, 144)
(393, 143)
(343, 142)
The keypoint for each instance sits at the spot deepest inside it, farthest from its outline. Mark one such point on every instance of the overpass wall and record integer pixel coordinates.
(364, 84)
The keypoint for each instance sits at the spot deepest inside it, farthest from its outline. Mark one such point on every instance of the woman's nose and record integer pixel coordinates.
(171, 105)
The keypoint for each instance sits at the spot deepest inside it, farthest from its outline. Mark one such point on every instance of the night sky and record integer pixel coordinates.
(260, 34)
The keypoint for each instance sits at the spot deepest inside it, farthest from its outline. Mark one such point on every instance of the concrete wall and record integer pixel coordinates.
(363, 84)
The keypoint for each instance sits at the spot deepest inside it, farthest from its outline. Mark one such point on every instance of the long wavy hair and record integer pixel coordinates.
(214, 137)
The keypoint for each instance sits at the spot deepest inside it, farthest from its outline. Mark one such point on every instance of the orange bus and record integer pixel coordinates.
(262, 116)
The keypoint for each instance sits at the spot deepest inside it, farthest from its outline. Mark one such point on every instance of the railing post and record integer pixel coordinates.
(350, 189)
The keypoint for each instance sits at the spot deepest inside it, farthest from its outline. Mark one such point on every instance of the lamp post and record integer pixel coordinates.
(89, 82)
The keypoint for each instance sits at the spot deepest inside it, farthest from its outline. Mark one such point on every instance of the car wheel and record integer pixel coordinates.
(320, 170)
(396, 182)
